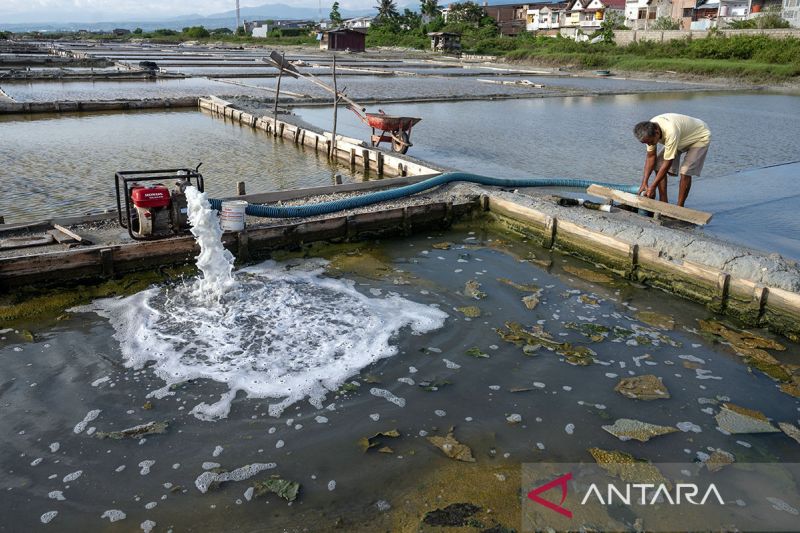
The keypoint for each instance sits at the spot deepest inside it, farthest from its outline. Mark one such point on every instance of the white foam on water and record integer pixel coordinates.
(100, 381)
(217, 451)
(147, 526)
(145, 466)
(48, 516)
(284, 332)
(73, 476)
(54, 447)
(206, 479)
(56, 495)
(91, 415)
(114, 515)
(388, 396)
(688, 426)
(214, 261)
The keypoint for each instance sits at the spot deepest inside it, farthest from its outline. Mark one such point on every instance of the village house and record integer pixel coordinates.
(341, 39)
(360, 23)
(442, 41)
(510, 18)
(641, 14)
(588, 15)
(545, 17)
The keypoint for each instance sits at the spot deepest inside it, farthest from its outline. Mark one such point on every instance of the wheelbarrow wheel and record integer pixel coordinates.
(397, 145)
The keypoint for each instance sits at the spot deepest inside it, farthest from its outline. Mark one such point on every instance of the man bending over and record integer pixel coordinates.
(680, 134)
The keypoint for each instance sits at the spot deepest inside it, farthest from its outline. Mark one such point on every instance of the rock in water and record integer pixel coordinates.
(735, 419)
(626, 429)
(452, 448)
(647, 387)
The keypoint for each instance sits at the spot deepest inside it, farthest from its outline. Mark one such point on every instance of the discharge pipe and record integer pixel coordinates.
(353, 202)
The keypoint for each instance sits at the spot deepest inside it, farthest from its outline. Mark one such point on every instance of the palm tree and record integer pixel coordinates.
(387, 9)
(429, 8)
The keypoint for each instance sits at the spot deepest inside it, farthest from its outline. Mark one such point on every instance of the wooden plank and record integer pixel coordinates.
(693, 216)
(517, 211)
(61, 237)
(596, 238)
(12, 243)
(783, 299)
(81, 239)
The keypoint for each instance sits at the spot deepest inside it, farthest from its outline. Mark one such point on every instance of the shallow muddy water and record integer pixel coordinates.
(65, 165)
(71, 382)
(50, 91)
(590, 138)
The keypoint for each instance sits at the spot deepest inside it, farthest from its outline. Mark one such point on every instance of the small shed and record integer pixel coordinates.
(442, 41)
(344, 39)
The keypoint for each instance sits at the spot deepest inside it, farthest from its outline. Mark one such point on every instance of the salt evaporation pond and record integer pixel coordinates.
(64, 165)
(371, 325)
(55, 91)
(590, 138)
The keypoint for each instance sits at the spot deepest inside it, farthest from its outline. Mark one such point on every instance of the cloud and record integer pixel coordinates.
(152, 7)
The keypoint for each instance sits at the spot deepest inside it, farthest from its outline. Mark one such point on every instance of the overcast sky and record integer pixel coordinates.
(110, 9)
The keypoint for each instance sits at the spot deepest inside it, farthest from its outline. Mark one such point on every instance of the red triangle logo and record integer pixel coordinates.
(558, 482)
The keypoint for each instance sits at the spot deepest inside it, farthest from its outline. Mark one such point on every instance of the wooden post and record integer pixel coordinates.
(240, 188)
(337, 179)
(2, 220)
(365, 158)
(352, 159)
(380, 163)
(335, 109)
(277, 96)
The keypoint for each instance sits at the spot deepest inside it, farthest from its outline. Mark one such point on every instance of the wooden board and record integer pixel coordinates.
(669, 210)
(13, 243)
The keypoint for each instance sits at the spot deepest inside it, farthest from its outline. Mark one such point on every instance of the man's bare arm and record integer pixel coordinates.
(649, 166)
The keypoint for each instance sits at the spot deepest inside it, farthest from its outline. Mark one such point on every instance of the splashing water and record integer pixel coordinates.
(214, 261)
(279, 331)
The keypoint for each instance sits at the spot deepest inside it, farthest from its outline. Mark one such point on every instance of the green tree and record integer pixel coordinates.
(240, 31)
(469, 12)
(335, 16)
(138, 31)
(613, 20)
(196, 32)
(429, 8)
(409, 20)
(387, 10)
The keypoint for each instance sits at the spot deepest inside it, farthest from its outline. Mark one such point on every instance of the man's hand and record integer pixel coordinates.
(642, 188)
(651, 191)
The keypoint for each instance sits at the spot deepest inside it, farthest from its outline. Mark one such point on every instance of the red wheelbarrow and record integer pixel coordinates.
(396, 130)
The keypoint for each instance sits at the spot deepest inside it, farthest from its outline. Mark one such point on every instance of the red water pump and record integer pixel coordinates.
(151, 209)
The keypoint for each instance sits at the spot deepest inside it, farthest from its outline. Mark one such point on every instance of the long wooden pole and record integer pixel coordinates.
(335, 110)
(277, 96)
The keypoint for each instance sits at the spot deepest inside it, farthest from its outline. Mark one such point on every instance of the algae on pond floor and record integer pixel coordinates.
(536, 336)
(752, 348)
(32, 302)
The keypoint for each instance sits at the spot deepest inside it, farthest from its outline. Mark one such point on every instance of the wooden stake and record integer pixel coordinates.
(277, 96)
(335, 109)
(240, 188)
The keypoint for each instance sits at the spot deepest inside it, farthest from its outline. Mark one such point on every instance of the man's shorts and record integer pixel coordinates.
(692, 163)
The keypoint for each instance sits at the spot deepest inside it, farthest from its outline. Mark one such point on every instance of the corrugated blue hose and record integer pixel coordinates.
(353, 202)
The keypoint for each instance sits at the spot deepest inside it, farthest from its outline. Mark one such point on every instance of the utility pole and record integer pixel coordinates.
(238, 23)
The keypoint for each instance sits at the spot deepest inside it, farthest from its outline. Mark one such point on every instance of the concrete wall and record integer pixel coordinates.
(623, 37)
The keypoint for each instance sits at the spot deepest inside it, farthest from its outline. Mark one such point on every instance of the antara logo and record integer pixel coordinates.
(557, 482)
(629, 494)
(651, 494)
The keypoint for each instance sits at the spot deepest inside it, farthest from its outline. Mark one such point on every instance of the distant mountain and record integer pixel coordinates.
(227, 19)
